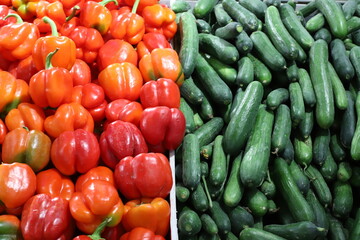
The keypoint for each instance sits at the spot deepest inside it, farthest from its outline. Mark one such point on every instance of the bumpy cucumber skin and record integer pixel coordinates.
(319, 185)
(297, 106)
(234, 189)
(203, 7)
(298, 230)
(355, 143)
(191, 170)
(277, 97)
(256, 233)
(348, 122)
(343, 199)
(340, 98)
(315, 23)
(241, 15)
(245, 73)
(340, 60)
(282, 128)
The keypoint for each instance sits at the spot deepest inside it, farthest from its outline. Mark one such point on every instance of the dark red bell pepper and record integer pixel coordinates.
(3, 131)
(24, 69)
(124, 110)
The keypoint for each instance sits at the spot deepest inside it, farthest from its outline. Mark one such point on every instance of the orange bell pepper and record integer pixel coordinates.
(142, 3)
(141, 233)
(17, 40)
(3, 131)
(45, 45)
(53, 183)
(161, 63)
(26, 115)
(53, 10)
(24, 69)
(81, 73)
(124, 110)
(68, 117)
(150, 213)
(161, 19)
(97, 173)
(121, 81)
(150, 42)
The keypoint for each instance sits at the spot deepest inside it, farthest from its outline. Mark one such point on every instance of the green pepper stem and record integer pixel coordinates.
(104, 2)
(18, 18)
(52, 25)
(73, 13)
(136, 4)
(48, 59)
(97, 234)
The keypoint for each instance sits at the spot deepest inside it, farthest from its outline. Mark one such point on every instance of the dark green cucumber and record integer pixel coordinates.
(266, 51)
(189, 223)
(256, 202)
(188, 114)
(334, 17)
(315, 23)
(245, 73)
(204, 169)
(303, 230)
(229, 31)
(273, 208)
(355, 60)
(324, 34)
(294, 26)
(217, 89)
(206, 110)
(282, 128)
(348, 122)
(261, 72)
(180, 6)
(344, 172)
(340, 98)
(292, 72)
(268, 188)
(182, 193)
(308, 9)
(340, 60)
(355, 233)
(231, 236)
(277, 97)
(189, 47)
(275, 3)
(220, 217)
(321, 146)
(284, 215)
(355, 143)
(207, 150)
(321, 219)
(204, 7)
(218, 169)
(225, 72)
(235, 104)
(343, 199)
(305, 127)
(191, 170)
(178, 172)
(295, 201)
(258, 234)
(307, 88)
(255, 6)
(199, 199)
(301, 181)
(191, 92)
(353, 24)
(336, 229)
(243, 119)
(203, 26)
(241, 15)
(303, 150)
(349, 8)
(255, 161)
(297, 106)
(240, 219)
(243, 43)
(233, 188)
(207, 132)
(319, 185)
(355, 177)
(288, 153)
(208, 224)
(325, 110)
(221, 16)
(356, 37)
(336, 148)
(329, 169)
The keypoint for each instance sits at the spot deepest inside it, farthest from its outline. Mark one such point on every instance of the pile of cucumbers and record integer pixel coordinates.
(272, 105)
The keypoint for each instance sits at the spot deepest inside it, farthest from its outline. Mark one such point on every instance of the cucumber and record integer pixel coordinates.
(277, 97)
(272, 207)
(282, 129)
(353, 24)
(337, 150)
(266, 51)
(294, 26)
(204, 169)
(344, 172)
(303, 150)
(182, 193)
(243, 119)
(230, 236)
(288, 153)
(258, 234)
(207, 150)
(319, 185)
(229, 31)
(329, 169)
(343, 199)
(233, 188)
(301, 181)
(349, 8)
(336, 230)
(334, 17)
(315, 23)
(221, 16)
(240, 219)
(199, 199)
(208, 224)
(284, 215)
(305, 127)
(295, 201)
(245, 73)
(180, 6)
(297, 106)
(218, 169)
(191, 170)
(188, 114)
(207, 132)
(325, 112)
(268, 188)
(206, 109)
(191, 92)
(217, 89)
(340, 60)
(225, 72)
(256, 201)
(241, 15)
(254, 164)
(275, 3)
(255, 6)
(205, 236)
(356, 37)
(243, 43)
(189, 47)
(261, 72)
(204, 7)
(203, 26)
(236, 103)
(321, 219)
(307, 88)
(348, 122)
(355, 143)
(219, 48)
(324, 34)
(355, 233)
(220, 217)
(292, 72)
(189, 223)
(355, 60)
(340, 97)
(308, 9)
(321, 146)
(303, 230)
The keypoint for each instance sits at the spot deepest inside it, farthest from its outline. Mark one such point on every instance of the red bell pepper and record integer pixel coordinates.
(124, 110)
(116, 51)
(68, 117)
(45, 45)
(3, 131)
(141, 233)
(44, 217)
(159, 18)
(26, 115)
(4, 11)
(150, 213)
(96, 173)
(145, 175)
(121, 81)
(51, 86)
(161, 63)
(53, 10)
(53, 183)
(30, 147)
(163, 128)
(142, 3)
(17, 183)
(24, 69)
(87, 40)
(75, 151)
(120, 139)
(81, 73)
(17, 40)
(113, 233)
(10, 227)
(162, 92)
(151, 41)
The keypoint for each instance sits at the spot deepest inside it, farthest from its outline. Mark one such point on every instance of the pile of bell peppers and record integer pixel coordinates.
(89, 110)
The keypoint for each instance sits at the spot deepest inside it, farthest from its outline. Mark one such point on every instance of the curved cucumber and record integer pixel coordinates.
(355, 143)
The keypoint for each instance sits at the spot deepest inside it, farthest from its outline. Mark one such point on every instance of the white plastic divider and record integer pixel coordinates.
(173, 212)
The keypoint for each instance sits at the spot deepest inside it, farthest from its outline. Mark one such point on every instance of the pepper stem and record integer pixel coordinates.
(48, 59)
(18, 18)
(73, 13)
(52, 25)
(97, 234)
(104, 2)
(136, 4)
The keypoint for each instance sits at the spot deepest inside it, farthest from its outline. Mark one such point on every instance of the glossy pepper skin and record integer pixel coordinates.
(80, 72)
(120, 139)
(30, 147)
(26, 115)
(53, 10)
(55, 184)
(4, 11)
(17, 40)
(162, 92)
(163, 128)
(75, 151)
(24, 69)
(3, 131)
(150, 213)
(97, 173)
(124, 110)
(121, 81)
(142, 4)
(151, 41)
(25, 8)
(141, 233)
(162, 63)
(159, 18)
(17, 184)
(145, 175)
(44, 217)
(10, 227)
(68, 117)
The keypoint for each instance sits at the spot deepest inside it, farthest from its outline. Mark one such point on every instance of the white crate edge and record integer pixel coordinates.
(173, 212)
